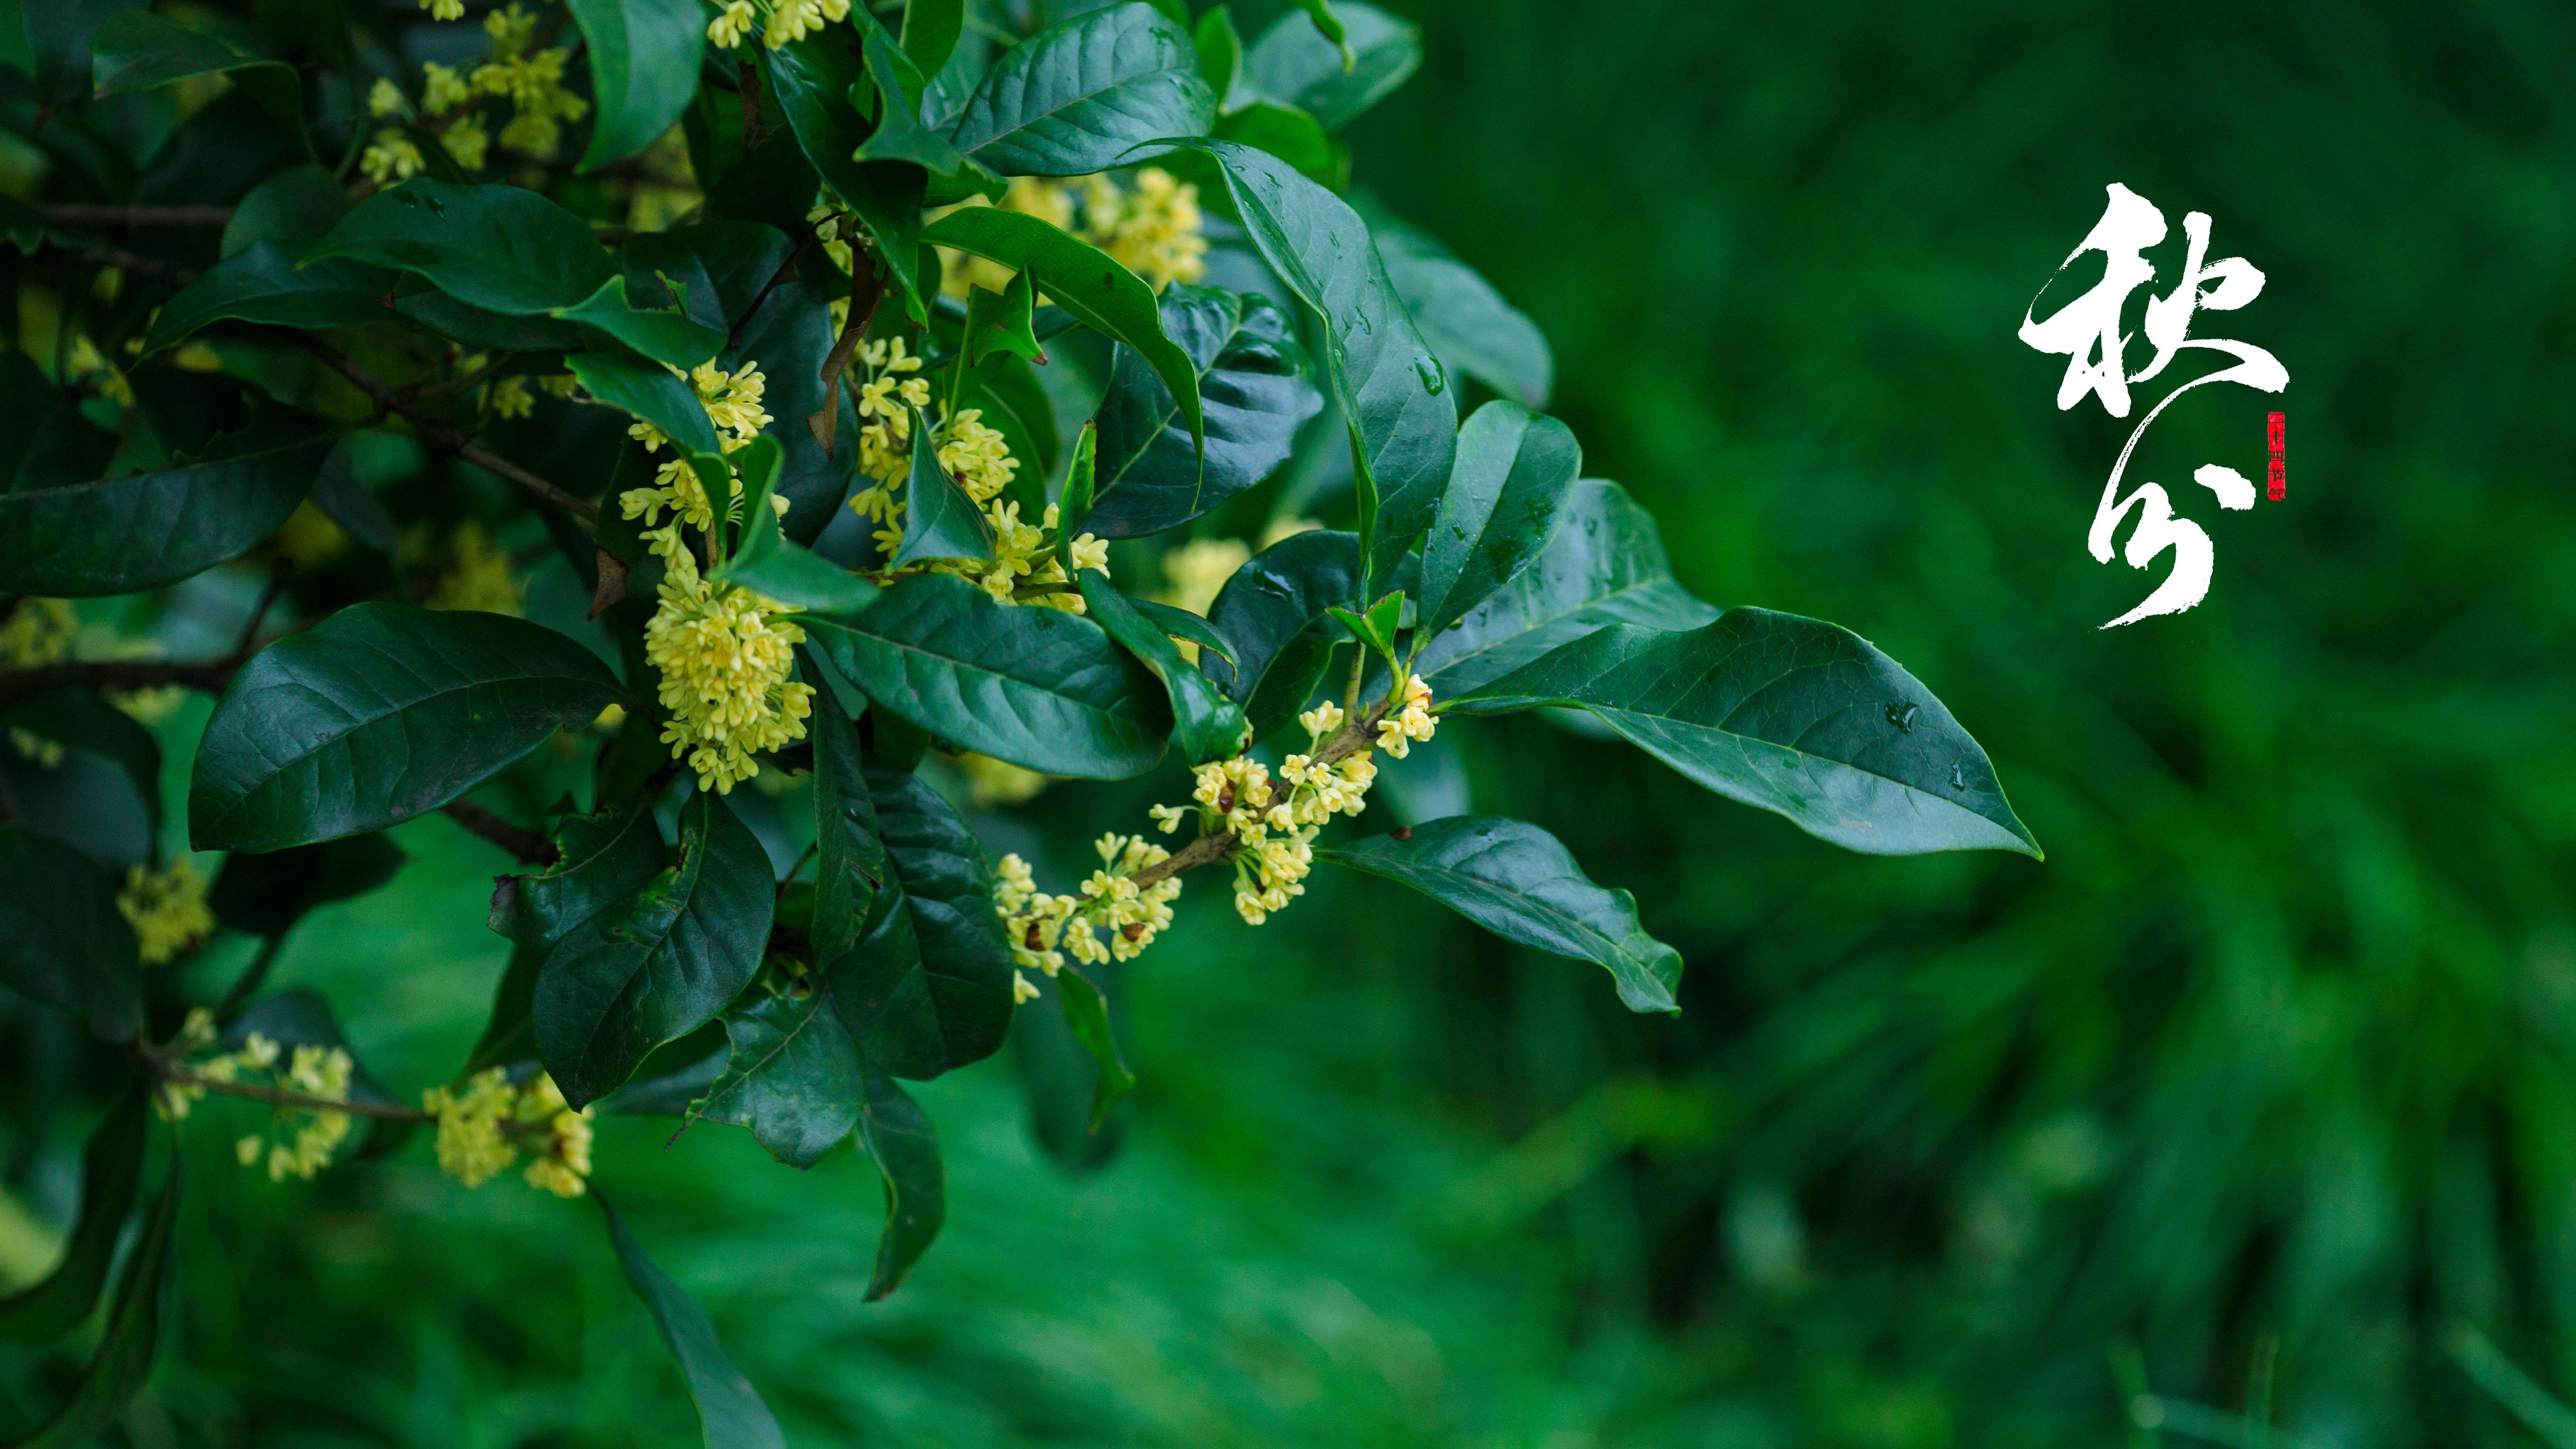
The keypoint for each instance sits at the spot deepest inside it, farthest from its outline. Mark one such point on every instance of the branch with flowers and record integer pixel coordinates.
(873, 417)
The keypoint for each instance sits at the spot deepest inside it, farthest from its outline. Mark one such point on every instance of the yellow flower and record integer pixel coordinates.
(479, 575)
(724, 662)
(444, 9)
(1194, 572)
(384, 98)
(1152, 230)
(37, 631)
(1397, 732)
(167, 909)
(731, 24)
(999, 782)
(466, 141)
(442, 89)
(392, 157)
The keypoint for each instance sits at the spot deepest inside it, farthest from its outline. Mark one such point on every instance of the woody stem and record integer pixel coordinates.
(1354, 736)
(280, 1097)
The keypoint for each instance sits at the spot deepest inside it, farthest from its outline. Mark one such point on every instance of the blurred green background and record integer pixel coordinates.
(2274, 1048)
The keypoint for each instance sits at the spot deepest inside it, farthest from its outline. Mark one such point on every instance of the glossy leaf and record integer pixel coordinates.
(141, 51)
(1082, 280)
(660, 963)
(63, 942)
(124, 535)
(811, 80)
(1043, 689)
(1795, 716)
(1293, 62)
(1253, 383)
(379, 713)
(1515, 469)
(264, 895)
(1220, 48)
(123, 1363)
(501, 248)
(482, 327)
(1391, 388)
(939, 520)
(649, 392)
(1518, 882)
(1376, 628)
(1087, 95)
(1182, 624)
(788, 336)
(1001, 321)
(1206, 724)
(1272, 617)
(1294, 137)
(644, 57)
(1470, 326)
(111, 1170)
(665, 335)
(901, 134)
(1086, 1012)
(713, 271)
(729, 1408)
(82, 720)
(296, 205)
(930, 31)
(849, 856)
(905, 1147)
(262, 284)
(767, 563)
(928, 988)
(794, 1077)
(1604, 564)
(605, 857)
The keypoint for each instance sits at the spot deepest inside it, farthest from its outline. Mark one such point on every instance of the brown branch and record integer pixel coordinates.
(122, 260)
(75, 213)
(867, 289)
(529, 846)
(446, 435)
(20, 685)
(1354, 736)
(280, 1097)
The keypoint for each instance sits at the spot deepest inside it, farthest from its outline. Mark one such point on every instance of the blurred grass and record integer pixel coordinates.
(2275, 1043)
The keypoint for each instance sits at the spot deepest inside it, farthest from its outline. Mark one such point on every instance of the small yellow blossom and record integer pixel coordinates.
(484, 1123)
(479, 575)
(384, 98)
(392, 157)
(37, 631)
(442, 89)
(732, 23)
(167, 909)
(444, 9)
(1194, 573)
(999, 782)
(724, 660)
(1397, 732)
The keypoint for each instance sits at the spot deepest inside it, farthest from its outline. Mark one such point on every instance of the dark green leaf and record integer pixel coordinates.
(78, 719)
(811, 79)
(1015, 403)
(263, 895)
(928, 989)
(660, 334)
(647, 390)
(296, 205)
(124, 535)
(729, 1408)
(1086, 1011)
(901, 136)
(300, 1017)
(1081, 279)
(939, 520)
(481, 327)
(662, 962)
(606, 857)
(62, 940)
(1041, 688)
(1515, 470)
(124, 1358)
(930, 31)
(1471, 327)
(1377, 627)
(768, 564)
(60, 39)
(849, 856)
(794, 1077)
(1206, 724)
(1603, 565)
(1252, 376)
(1294, 137)
(1518, 882)
(788, 336)
(510, 1034)
(347, 495)
(1000, 321)
(905, 1148)
(1271, 615)
(643, 70)
(1220, 48)
(501, 248)
(262, 284)
(1335, 77)
(1087, 95)
(111, 1169)
(379, 713)
(139, 51)
(1793, 715)
(1081, 477)
(718, 268)
(1403, 417)
(1182, 624)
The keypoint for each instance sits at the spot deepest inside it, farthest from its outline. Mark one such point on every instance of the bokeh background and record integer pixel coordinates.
(2267, 1064)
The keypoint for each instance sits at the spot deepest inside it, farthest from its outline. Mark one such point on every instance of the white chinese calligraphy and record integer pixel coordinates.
(2087, 333)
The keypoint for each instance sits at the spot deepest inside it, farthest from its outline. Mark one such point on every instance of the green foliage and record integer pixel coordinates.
(599, 426)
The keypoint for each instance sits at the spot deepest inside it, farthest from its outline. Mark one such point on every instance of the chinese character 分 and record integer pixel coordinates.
(2087, 333)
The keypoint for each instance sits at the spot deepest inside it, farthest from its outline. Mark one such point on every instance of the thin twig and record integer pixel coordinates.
(785, 270)
(123, 260)
(79, 213)
(1358, 734)
(20, 685)
(530, 847)
(446, 435)
(867, 289)
(280, 1097)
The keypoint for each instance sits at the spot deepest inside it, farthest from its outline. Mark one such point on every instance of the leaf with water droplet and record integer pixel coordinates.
(1900, 713)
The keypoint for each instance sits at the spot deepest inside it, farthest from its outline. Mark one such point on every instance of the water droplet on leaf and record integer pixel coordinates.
(1958, 776)
(1434, 380)
(1901, 712)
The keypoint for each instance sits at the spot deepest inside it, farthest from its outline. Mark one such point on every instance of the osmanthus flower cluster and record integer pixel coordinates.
(513, 498)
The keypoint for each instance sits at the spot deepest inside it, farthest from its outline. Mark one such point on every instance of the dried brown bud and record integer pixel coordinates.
(1402, 832)
(1225, 799)
(1032, 937)
(1132, 930)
